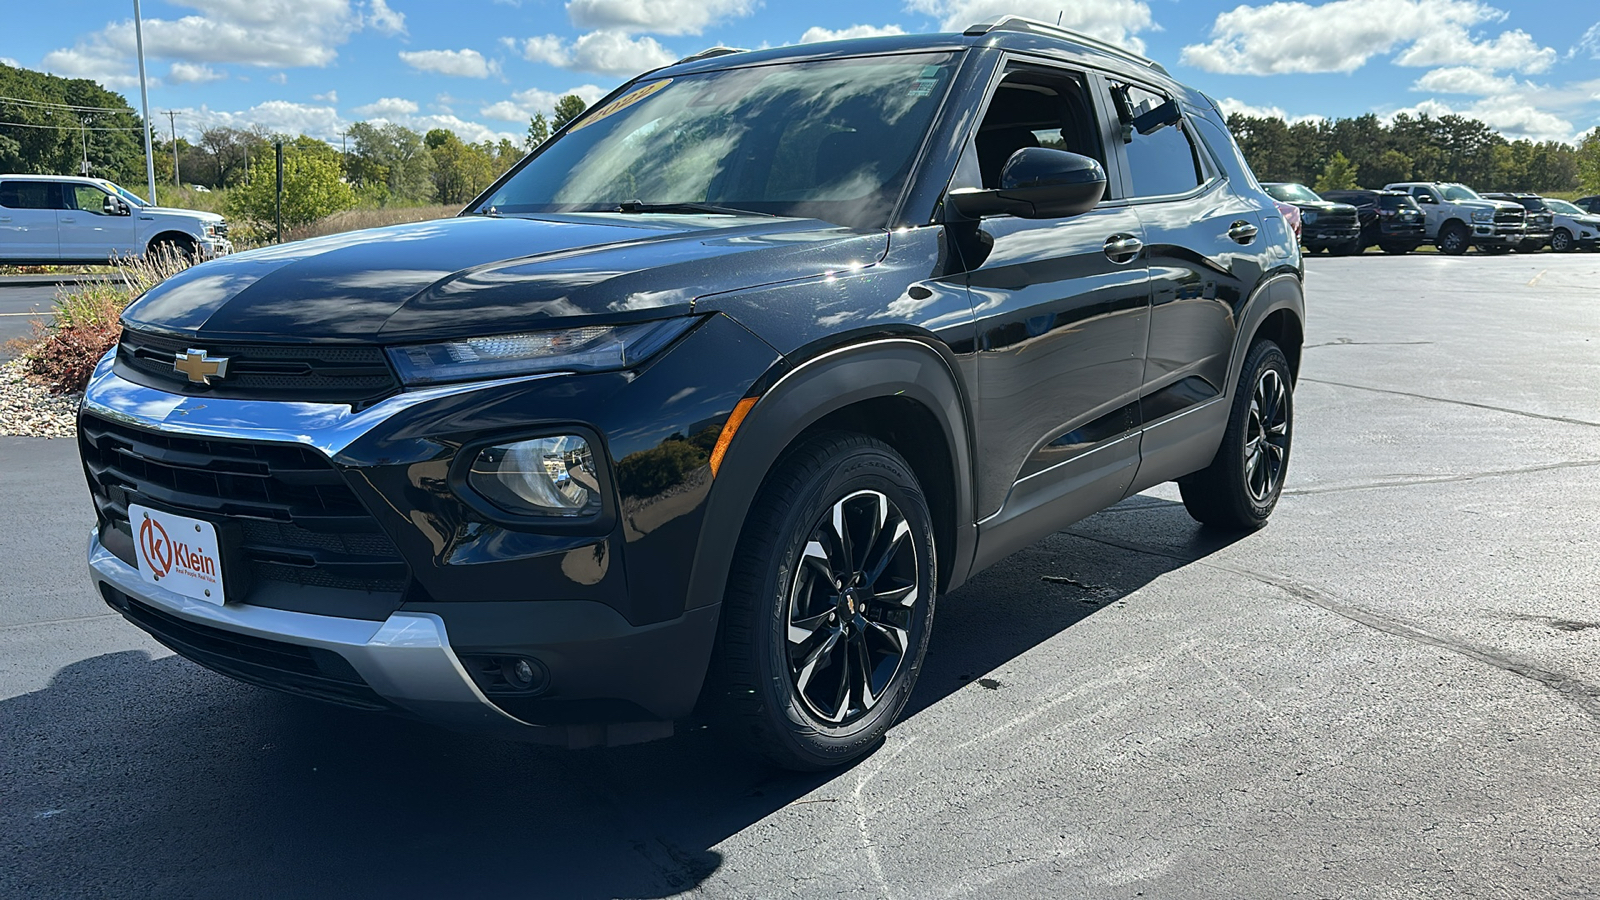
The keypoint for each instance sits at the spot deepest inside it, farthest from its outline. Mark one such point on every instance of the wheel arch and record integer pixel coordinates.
(899, 390)
(1276, 312)
(171, 234)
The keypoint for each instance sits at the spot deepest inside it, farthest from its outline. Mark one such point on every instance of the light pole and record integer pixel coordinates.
(144, 100)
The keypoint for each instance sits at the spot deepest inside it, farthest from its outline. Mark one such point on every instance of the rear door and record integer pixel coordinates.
(90, 233)
(1206, 255)
(28, 227)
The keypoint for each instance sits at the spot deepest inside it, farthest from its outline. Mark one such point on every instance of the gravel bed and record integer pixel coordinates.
(28, 410)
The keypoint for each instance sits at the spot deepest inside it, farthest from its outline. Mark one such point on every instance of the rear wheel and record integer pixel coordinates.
(1561, 241)
(1241, 486)
(829, 604)
(1530, 246)
(1348, 248)
(1454, 239)
(1397, 249)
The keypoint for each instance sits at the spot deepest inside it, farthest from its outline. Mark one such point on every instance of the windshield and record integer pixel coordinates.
(1563, 207)
(1293, 193)
(833, 140)
(1454, 192)
(1391, 201)
(123, 192)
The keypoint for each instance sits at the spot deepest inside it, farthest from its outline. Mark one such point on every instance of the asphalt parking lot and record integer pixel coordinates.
(20, 305)
(1393, 690)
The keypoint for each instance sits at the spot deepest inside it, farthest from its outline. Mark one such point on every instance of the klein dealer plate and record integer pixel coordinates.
(177, 553)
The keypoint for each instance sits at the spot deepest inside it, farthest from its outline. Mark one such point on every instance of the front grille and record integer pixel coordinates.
(353, 374)
(298, 520)
(306, 671)
(1509, 220)
(1337, 218)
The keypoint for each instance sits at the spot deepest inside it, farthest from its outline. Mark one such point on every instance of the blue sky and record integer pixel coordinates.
(483, 66)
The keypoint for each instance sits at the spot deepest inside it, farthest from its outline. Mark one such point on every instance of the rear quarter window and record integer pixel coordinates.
(30, 195)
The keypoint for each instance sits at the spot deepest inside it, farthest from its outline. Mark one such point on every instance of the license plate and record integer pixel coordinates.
(177, 553)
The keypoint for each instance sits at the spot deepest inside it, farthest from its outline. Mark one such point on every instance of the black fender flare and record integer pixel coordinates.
(831, 381)
(1283, 291)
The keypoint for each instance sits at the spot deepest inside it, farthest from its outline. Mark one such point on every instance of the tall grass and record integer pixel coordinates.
(371, 217)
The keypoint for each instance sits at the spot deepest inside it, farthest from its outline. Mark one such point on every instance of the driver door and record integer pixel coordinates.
(89, 231)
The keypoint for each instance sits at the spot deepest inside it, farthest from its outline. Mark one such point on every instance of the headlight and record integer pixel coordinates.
(1483, 215)
(548, 476)
(594, 348)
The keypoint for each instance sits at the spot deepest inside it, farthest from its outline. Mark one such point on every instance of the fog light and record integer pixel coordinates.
(521, 674)
(548, 476)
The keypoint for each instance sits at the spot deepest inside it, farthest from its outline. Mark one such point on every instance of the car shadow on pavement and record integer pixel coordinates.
(153, 777)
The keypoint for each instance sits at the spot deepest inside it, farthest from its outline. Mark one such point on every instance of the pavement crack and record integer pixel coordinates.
(1490, 407)
(1409, 481)
(1347, 342)
(1581, 693)
(92, 618)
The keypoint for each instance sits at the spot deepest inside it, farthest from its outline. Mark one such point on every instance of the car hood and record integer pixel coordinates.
(182, 213)
(481, 275)
(1323, 206)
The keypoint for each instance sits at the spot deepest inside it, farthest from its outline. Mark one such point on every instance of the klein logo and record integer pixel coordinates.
(157, 547)
(199, 367)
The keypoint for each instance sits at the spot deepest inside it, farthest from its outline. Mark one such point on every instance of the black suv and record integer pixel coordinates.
(1390, 220)
(709, 398)
(1541, 219)
(1323, 225)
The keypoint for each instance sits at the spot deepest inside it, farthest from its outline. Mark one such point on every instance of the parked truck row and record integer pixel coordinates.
(1452, 217)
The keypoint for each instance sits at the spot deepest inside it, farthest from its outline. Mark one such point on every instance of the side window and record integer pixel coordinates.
(1032, 107)
(1165, 161)
(30, 195)
(86, 197)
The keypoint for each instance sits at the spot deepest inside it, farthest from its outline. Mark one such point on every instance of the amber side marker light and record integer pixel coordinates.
(736, 417)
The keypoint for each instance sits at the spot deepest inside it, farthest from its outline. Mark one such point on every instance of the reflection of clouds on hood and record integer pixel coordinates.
(652, 299)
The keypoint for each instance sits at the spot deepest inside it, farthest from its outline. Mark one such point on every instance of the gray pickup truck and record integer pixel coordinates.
(1457, 218)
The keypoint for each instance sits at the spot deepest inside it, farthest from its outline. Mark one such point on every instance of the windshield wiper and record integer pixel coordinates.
(639, 206)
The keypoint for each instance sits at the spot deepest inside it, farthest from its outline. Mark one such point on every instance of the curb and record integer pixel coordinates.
(48, 280)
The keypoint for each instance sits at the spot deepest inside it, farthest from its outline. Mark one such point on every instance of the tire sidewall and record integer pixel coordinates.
(1265, 355)
(808, 737)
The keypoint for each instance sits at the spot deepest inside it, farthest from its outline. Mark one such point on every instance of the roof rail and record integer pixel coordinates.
(1034, 26)
(710, 52)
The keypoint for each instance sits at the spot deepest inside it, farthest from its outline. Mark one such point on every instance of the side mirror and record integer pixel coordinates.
(1037, 183)
(1154, 120)
(114, 206)
(1425, 198)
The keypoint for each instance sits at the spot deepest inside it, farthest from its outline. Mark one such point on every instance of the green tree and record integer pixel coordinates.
(389, 161)
(1390, 167)
(48, 138)
(1338, 175)
(538, 131)
(312, 188)
(1588, 162)
(569, 107)
(460, 170)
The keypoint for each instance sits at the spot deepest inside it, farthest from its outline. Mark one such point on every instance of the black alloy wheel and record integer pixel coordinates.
(829, 604)
(1561, 241)
(1241, 487)
(1454, 240)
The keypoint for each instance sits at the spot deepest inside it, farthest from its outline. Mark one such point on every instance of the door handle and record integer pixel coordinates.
(68, 221)
(1121, 248)
(1242, 232)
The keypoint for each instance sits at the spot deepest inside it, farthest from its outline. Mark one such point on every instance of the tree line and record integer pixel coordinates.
(1365, 152)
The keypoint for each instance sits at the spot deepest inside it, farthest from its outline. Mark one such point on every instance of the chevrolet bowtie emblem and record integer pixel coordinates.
(199, 367)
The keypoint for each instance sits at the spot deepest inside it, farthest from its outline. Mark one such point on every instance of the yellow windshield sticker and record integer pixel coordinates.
(621, 103)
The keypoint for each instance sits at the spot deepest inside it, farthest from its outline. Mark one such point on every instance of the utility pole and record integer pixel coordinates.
(172, 122)
(144, 100)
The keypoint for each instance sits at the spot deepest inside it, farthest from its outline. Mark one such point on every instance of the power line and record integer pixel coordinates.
(69, 127)
(27, 102)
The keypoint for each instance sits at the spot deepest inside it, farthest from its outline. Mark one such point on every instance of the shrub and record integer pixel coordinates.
(66, 357)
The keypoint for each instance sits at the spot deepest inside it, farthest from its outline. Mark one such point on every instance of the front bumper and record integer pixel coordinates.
(213, 247)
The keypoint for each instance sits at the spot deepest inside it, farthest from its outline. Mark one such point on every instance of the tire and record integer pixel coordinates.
(1530, 246)
(1347, 248)
(1397, 249)
(1240, 488)
(1454, 240)
(1561, 241)
(792, 644)
(171, 248)
(1497, 249)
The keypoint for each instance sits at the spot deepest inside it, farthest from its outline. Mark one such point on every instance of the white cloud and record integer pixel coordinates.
(1589, 44)
(1342, 35)
(1465, 80)
(655, 16)
(1510, 114)
(329, 97)
(386, 107)
(191, 73)
(277, 116)
(1230, 106)
(460, 63)
(818, 33)
(471, 132)
(524, 104)
(384, 19)
(600, 52)
(279, 78)
(1116, 21)
(8, 61)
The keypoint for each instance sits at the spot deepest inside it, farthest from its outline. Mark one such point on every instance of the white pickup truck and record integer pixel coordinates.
(48, 219)
(1458, 219)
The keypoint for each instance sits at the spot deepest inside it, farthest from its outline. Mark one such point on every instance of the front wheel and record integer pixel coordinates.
(1241, 486)
(1561, 241)
(829, 604)
(1454, 240)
